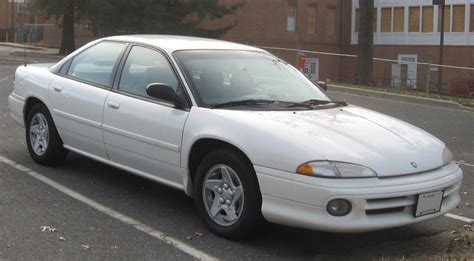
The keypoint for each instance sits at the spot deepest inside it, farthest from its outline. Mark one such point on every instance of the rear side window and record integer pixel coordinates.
(97, 63)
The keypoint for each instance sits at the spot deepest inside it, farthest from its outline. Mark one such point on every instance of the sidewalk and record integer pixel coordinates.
(13, 53)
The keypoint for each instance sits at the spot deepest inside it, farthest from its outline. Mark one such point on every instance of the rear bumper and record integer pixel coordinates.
(300, 201)
(16, 105)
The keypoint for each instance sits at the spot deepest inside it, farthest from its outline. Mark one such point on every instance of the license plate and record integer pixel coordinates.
(429, 203)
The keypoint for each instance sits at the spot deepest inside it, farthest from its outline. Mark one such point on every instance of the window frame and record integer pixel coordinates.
(116, 83)
(94, 84)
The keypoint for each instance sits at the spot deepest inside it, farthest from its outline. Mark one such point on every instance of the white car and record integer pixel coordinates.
(239, 130)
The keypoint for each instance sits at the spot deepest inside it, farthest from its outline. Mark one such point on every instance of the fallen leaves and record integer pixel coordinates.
(468, 227)
(48, 229)
(195, 235)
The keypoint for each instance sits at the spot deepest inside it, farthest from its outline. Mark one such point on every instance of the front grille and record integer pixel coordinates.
(379, 206)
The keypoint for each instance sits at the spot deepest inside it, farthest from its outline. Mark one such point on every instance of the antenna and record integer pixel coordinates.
(24, 49)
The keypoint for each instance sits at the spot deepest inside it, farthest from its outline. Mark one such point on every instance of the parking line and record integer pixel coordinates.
(460, 218)
(151, 231)
(464, 163)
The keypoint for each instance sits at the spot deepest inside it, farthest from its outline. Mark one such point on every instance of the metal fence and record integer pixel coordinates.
(406, 73)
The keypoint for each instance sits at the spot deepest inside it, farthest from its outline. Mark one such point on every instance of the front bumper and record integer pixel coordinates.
(377, 203)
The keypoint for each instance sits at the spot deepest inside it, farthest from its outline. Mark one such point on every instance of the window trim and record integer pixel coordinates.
(116, 82)
(94, 84)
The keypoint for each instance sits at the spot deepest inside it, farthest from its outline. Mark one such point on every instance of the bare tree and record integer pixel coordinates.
(365, 52)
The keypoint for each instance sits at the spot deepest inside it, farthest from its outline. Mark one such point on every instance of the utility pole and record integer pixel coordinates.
(441, 48)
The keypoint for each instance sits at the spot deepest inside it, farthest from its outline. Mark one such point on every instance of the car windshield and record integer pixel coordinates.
(245, 78)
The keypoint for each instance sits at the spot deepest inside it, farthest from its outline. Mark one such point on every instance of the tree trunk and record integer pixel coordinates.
(365, 53)
(67, 41)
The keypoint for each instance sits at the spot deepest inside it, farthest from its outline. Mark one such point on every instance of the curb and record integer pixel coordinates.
(398, 97)
(28, 47)
(9, 61)
(40, 55)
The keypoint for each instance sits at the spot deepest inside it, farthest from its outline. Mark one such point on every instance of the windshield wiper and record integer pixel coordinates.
(248, 102)
(324, 102)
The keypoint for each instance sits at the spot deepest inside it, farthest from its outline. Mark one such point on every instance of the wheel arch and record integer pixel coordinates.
(199, 149)
(29, 103)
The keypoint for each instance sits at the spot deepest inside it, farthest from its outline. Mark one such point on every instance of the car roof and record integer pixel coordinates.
(171, 43)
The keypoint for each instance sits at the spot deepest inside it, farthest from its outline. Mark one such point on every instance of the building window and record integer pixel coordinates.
(386, 20)
(414, 20)
(472, 18)
(312, 19)
(427, 21)
(357, 20)
(375, 19)
(447, 18)
(291, 18)
(398, 19)
(331, 22)
(459, 12)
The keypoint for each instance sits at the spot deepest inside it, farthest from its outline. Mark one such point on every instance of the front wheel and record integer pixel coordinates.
(227, 195)
(42, 138)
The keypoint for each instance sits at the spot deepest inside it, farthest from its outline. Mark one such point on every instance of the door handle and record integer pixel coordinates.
(113, 105)
(57, 88)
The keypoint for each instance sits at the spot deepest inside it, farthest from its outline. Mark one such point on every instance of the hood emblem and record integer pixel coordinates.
(414, 164)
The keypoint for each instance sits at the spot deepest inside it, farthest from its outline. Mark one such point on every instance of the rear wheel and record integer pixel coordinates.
(227, 196)
(42, 138)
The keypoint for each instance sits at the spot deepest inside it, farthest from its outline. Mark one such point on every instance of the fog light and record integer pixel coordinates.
(339, 207)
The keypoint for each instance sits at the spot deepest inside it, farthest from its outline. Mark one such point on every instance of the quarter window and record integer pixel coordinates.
(145, 66)
(97, 63)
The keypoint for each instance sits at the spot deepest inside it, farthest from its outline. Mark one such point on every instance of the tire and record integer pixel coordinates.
(42, 138)
(217, 201)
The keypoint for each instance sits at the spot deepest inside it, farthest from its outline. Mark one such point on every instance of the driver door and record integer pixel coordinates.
(141, 132)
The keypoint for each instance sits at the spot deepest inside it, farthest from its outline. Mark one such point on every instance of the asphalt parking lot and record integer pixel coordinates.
(88, 210)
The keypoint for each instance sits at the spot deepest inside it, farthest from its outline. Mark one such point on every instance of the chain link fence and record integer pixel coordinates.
(406, 73)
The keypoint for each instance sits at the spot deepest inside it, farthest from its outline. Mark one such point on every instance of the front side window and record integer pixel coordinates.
(97, 63)
(145, 66)
(220, 76)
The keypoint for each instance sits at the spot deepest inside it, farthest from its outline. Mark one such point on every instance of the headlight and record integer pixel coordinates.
(331, 169)
(447, 156)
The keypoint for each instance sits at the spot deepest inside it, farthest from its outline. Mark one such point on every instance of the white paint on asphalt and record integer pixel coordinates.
(398, 101)
(4, 78)
(460, 218)
(464, 163)
(151, 231)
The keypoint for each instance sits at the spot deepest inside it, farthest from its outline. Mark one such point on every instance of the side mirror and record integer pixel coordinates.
(323, 85)
(164, 92)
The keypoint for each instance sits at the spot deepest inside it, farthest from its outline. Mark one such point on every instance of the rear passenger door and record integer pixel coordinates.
(78, 94)
(141, 132)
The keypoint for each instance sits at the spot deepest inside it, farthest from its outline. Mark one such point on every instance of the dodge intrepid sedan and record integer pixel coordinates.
(244, 133)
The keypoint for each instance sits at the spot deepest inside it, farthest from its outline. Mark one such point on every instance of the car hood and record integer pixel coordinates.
(352, 134)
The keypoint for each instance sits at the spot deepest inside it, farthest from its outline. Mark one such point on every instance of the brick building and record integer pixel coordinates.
(404, 30)
(35, 29)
